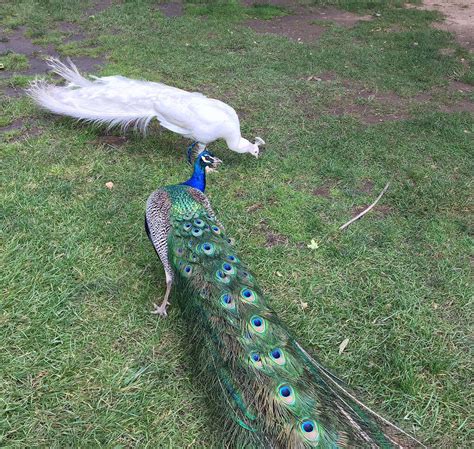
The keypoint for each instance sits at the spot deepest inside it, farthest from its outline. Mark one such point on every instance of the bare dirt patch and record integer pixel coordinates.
(16, 124)
(17, 42)
(459, 18)
(272, 238)
(254, 207)
(380, 210)
(111, 141)
(73, 31)
(372, 107)
(324, 190)
(99, 6)
(13, 92)
(299, 26)
(366, 186)
(25, 126)
(171, 9)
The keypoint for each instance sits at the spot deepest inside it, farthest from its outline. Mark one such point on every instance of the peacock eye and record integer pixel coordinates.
(285, 391)
(228, 268)
(208, 248)
(256, 359)
(277, 356)
(187, 226)
(199, 223)
(196, 232)
(227, 301)
(258, 324)
(248, 295)
(309, 430)
(222, 277)
(286, 394)
(187, 270)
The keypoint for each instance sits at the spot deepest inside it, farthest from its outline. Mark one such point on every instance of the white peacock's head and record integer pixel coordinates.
(252, 148)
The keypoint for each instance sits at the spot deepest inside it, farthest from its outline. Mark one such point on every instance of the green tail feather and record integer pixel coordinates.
(272, 393)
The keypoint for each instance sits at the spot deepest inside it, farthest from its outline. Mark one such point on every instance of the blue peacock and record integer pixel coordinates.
(272, 393)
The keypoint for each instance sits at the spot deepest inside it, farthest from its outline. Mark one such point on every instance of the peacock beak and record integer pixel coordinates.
(216, 162)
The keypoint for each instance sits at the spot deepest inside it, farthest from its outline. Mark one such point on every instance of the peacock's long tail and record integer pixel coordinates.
(272, 394)
(110, 101)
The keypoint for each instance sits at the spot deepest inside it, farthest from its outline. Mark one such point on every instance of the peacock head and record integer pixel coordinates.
(248, 147)
(207, 161)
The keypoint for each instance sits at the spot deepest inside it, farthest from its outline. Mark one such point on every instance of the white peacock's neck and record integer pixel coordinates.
(239, 144)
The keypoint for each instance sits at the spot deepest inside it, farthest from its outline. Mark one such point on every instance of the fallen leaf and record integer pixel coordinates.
(109, 185)
(313, 244)
(343, 345)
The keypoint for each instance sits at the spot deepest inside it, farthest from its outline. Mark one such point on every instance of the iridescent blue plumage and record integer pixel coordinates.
(270, 392)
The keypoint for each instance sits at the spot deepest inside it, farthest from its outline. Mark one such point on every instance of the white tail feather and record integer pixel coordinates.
(97, 109)
(69, 73)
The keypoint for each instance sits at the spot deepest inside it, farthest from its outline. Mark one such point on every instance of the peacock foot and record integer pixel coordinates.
(161, 309)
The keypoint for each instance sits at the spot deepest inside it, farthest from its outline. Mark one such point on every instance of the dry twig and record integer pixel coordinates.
(345, 225)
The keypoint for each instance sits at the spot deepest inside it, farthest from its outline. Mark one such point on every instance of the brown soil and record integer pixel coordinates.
(99, 6)
(459, 18)
(73, 30)
(16, 124)
(371, 107)
(379, 209)
(171, 9)
(367, 186)
(26, 126)
(324, 190)
(272, 238)
(111, 141)
(14, 92)
(298, 25)
(17, 42)
(254, 207)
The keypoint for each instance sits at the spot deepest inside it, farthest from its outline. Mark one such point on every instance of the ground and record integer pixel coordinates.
(348, 95)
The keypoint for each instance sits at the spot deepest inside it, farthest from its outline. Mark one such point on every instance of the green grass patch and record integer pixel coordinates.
(14, 61)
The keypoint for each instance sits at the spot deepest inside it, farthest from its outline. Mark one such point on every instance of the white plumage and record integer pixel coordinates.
(120, 101)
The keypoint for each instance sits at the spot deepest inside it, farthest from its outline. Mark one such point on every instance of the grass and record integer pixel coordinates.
(84, 364)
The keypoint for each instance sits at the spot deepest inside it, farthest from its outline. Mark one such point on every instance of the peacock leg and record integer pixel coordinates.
(161, 309)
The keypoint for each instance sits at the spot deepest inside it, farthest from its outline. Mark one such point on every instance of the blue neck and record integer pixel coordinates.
(198, 179)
